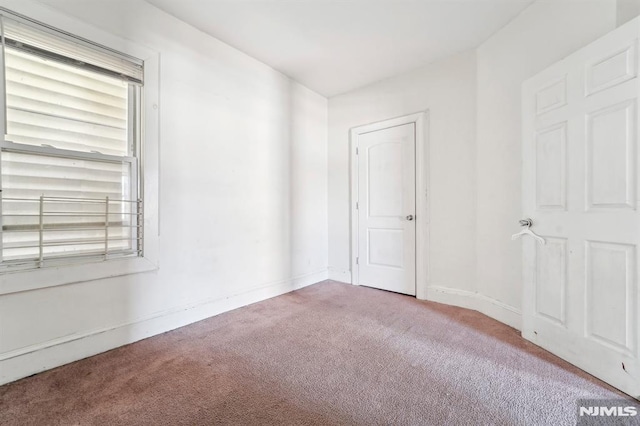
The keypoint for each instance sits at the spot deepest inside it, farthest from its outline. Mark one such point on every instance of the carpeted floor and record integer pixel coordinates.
(328, 354)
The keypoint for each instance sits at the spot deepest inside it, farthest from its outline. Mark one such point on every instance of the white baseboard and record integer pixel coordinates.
(339, 275)
(478, 302)
(33, 359)
(500, 311)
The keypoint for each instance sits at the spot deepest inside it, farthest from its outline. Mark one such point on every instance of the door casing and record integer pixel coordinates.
(421, 121)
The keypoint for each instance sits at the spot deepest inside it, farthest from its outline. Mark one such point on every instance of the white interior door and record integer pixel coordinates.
(386, 243)
(580, 187)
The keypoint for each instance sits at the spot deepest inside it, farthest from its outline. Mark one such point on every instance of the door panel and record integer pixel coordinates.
(580, 187)
(386, 194)
(610, 279)
(551, 170)
(610, 165)
(551, 279)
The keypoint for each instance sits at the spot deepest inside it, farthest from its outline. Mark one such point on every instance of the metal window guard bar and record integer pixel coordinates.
(129, 211)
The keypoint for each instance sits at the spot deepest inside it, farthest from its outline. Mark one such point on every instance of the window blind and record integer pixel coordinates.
(65, 107)
(40, 40)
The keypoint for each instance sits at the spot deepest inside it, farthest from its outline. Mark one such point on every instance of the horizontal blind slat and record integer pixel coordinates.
(40, 94)
(35, 171)
(38, 136)
(34, 193)
(48, 108)
(63, 88)
(61, 145)
(69, 130)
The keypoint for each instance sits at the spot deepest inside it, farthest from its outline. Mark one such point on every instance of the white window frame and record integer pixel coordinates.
(25, 280)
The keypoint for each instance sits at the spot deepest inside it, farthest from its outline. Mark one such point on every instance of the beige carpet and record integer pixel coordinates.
(328, 354)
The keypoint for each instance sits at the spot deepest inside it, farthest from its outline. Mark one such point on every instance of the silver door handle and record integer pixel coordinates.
(410, 217)
(526, 222)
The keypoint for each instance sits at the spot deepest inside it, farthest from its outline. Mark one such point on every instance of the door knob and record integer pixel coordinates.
(410, 217)
(526, 222)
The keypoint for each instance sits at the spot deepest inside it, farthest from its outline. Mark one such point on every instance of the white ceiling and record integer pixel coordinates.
(333, 46)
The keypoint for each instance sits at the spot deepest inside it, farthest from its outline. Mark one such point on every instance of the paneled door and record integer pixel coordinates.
(386, 208)
(580, 188)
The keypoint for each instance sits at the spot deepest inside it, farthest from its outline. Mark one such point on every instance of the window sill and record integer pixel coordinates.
(15, 282)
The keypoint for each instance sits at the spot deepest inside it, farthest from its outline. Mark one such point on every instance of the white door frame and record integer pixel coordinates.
(421, 121)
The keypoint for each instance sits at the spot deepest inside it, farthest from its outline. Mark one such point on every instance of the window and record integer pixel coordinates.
(70, 159)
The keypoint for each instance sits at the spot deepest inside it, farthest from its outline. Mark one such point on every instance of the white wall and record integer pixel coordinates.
(542, 34)
(447, 90)
(627, 10)
(243, 200)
